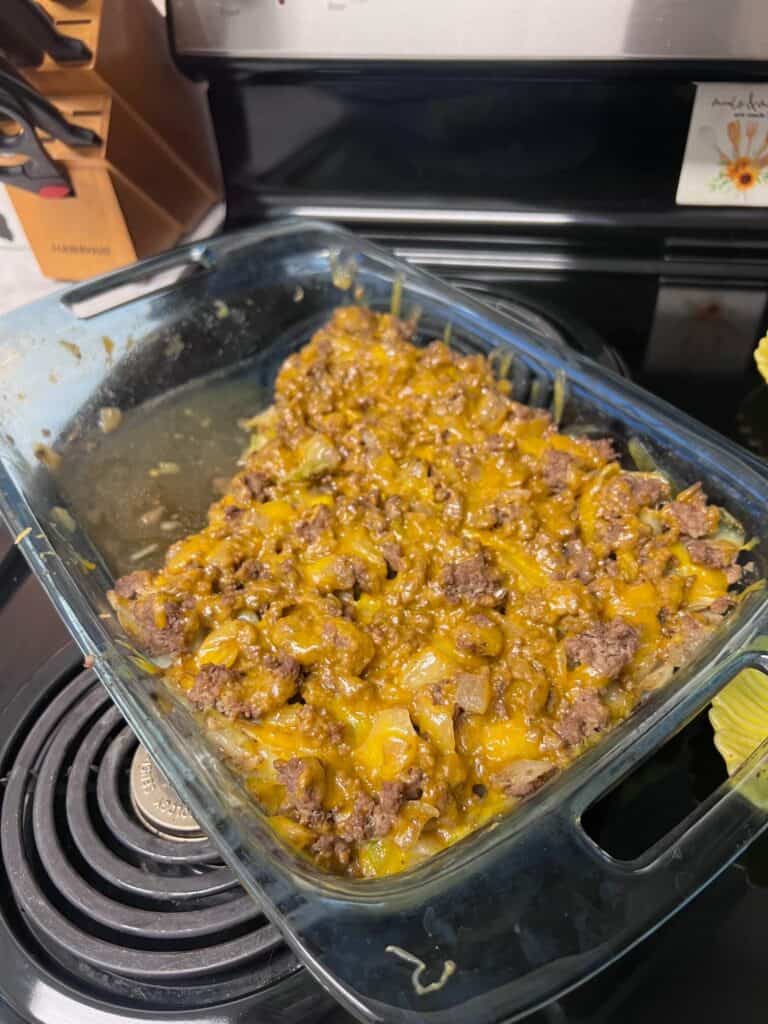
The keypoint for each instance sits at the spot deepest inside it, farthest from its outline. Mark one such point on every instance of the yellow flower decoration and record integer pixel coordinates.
(761, 357)
(743, 173)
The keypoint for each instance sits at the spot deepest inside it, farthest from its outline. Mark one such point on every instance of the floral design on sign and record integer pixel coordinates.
(747, 164)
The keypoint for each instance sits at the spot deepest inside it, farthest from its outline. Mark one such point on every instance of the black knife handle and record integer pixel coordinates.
(20, 50)
(25, 17)
(40, 112)
(38, 173)
(22, 104)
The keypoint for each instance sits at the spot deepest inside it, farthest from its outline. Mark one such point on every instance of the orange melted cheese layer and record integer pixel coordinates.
(418, 600)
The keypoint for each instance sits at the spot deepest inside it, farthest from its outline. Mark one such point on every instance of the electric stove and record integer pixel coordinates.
(548, 187)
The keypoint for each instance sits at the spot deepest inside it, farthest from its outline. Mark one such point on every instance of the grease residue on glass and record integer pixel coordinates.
(133, 513)
(73, 349)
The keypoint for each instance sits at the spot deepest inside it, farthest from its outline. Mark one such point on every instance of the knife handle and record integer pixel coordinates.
(40, 112)
(28, 19)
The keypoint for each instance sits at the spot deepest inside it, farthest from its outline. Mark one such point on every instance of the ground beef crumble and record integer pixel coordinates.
(304, 781)
(372, 817)
(556, 469)
(160, 625)
(258, 484)
(284, 665)
(310, 527)
(132, 585)
(523, 777)
(712, 554)
(629, 492)
(583, 718)
(211, 682)
(392, 553)
(607, 647)
(473, 579)
(693, 516)
(581, 563)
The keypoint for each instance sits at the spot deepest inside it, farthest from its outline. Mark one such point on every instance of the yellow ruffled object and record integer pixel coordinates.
(739, 716)
(761, 357)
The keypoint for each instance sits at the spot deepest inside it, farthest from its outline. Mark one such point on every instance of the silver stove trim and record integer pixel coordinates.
(472, 30)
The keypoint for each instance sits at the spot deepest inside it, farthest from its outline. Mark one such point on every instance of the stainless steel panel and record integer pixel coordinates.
(473, 29)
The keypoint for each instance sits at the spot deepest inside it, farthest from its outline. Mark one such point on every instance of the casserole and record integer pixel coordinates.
(525, 908)
(416, 600)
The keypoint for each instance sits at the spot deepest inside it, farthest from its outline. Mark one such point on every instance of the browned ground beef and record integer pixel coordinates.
(258, 484)
(607, 647)
(473, 579)
(710, 553)
(304, 781)
(311, 526)
(583, 718)
(628, 492)
(523, 777)
(211, 685)
(693, 516)
(556, 469)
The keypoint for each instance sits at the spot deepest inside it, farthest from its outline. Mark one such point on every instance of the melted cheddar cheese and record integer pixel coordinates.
(418, 599)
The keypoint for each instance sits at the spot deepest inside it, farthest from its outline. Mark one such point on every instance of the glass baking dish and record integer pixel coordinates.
(529, 906)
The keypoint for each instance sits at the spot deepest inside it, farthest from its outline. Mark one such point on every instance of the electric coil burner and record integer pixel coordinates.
(103, 887)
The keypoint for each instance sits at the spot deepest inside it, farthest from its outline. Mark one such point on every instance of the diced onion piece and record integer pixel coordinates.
(397, 296)
(730, 529)
(426, 667)
(641, 456)
(222, 645)
(381, 857)
(435, 721)
(62, 517)
(473, 691)
(49, 458)
(291, 831)
(391, 745)
(317, 457)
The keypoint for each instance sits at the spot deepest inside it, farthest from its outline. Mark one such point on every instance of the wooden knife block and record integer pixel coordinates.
(131, 60)
(133, 195)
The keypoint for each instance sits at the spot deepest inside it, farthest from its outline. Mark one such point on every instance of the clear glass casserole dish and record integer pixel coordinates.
(527, 907)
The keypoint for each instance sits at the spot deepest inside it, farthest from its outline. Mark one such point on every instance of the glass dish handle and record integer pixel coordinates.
(157, 273)
(519, 944)
(714, 835)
